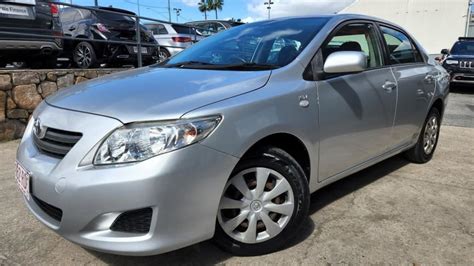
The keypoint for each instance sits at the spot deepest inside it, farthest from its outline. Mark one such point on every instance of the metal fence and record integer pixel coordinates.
(138, 40)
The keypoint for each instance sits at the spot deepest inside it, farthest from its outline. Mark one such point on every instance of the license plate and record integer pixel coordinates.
(144, 50)
(23, 178)
(14, 10)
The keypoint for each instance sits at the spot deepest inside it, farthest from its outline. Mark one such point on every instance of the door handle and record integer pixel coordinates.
(72, 28)
(389, 86)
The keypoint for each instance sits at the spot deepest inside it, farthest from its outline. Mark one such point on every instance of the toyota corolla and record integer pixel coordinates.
(227, 139)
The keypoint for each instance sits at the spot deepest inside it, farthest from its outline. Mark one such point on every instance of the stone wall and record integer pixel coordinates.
(22, 90)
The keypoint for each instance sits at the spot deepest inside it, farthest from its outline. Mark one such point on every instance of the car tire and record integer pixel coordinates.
(270, 221)
(163, 54)
(425, 147)
(84, 56)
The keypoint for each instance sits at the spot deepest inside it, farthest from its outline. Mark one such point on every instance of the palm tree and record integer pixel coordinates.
(203, 8)
(215, 5)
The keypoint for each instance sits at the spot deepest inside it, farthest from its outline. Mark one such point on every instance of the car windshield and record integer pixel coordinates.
(257, 46)
(463, 48)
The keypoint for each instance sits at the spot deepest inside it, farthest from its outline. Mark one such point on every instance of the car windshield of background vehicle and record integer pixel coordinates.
(463, 48)
(257, 46)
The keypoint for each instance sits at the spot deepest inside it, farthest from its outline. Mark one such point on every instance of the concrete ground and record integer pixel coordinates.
(393, 212)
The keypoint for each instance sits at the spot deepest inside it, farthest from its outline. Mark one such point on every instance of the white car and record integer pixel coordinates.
(173, 38)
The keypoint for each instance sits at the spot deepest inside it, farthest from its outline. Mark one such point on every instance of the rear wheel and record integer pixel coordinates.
(84, 55)
(163, 55)
(263, 205)
(424, 149)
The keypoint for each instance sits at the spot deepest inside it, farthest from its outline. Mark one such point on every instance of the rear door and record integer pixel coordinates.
(416, 85)
(356, 110)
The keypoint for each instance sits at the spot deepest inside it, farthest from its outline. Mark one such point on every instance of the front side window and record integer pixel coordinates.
(359, 37)
(400, 48)
(256, 46)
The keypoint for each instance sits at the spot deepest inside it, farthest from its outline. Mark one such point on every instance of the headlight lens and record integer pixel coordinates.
(138, 142)
(452, 62)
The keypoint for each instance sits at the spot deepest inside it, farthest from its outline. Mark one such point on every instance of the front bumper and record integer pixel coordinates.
(182, 188)
(467, 78)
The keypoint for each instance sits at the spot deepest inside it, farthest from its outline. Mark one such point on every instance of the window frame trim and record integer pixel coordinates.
(415, 47)
(330, 36)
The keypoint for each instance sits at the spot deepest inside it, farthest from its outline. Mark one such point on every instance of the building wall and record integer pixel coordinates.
(436, 24)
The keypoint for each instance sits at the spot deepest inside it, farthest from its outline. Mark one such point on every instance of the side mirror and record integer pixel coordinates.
(445, 51)
(345, 62)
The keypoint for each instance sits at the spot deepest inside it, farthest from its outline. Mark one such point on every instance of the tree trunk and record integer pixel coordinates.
(216, 12)
(205, 15)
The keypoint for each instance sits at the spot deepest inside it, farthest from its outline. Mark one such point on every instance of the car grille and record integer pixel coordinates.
(57, 142)
(466, 64)
(137, 221)
(53, 212)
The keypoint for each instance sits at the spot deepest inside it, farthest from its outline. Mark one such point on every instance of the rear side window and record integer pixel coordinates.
(114, 17)
(400, 48)
(67, 15)
(158, 29)
(182, 29)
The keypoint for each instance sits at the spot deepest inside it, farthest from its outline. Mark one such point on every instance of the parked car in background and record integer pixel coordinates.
(459, 61)
(99, 25)
(210, 27)
(29, 17)
(228, 138)
(173, 38)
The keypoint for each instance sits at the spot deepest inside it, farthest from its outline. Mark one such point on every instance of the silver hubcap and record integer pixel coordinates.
(83, 56)
(162, 56)
(256, 205)
(431, 135)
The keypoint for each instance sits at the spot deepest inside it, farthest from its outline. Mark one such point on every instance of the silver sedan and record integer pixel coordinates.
(228, 138)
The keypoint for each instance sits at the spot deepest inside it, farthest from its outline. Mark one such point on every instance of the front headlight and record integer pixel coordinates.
(141, 141)
(452, 62)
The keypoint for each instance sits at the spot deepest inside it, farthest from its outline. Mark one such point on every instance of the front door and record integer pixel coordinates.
(356, 110)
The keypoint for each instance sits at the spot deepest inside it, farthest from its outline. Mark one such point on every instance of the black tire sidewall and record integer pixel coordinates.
(417, 154)
(433, 113)
(294, 174)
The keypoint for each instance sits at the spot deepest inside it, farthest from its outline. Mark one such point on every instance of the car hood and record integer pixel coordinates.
(153, 93)
(459, 57)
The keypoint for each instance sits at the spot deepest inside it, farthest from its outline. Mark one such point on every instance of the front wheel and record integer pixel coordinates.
(263, 205)
(424, 149)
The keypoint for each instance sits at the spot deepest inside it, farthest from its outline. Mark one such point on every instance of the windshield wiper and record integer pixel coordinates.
(188, 64)
(205, 65)
(248, 66)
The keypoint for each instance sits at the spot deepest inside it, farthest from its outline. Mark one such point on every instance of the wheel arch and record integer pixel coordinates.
(438, 104)
(287, 142)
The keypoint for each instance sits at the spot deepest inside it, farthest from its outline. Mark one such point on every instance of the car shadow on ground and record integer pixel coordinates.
(462, 88)
(206, 253)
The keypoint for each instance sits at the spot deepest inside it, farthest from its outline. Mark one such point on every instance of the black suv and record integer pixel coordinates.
(459, 61)
(98, 25)
(29, 17)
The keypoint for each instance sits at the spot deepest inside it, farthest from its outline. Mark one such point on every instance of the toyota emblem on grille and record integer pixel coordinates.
(38, 129)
